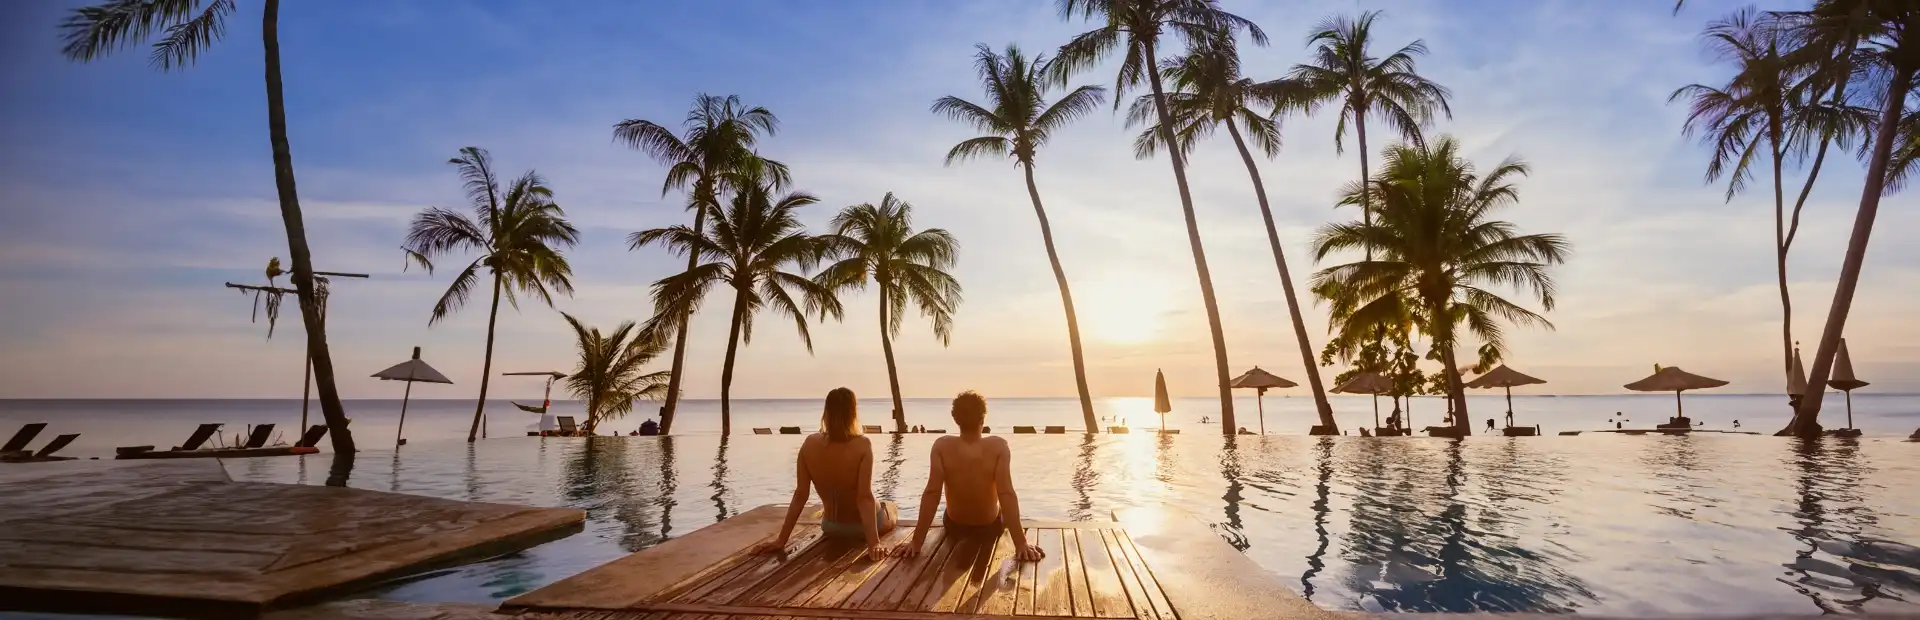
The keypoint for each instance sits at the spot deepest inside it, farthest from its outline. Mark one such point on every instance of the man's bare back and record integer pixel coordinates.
(970, 467)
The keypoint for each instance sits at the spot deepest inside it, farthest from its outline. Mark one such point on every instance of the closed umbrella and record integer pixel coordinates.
(1843, 378)
(1161, 404)
(1367, 382)
(1260, 381)
(1503, 377)
(1673, 379)
(411, 371)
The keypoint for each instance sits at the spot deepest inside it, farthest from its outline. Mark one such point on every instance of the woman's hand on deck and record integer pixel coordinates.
(1029, 553)
(876, 553)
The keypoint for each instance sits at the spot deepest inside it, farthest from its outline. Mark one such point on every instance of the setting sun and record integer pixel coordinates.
(1122, 311)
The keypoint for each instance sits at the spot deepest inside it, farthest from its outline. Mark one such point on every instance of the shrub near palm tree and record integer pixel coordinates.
(186, 27)
(518, 235)
(878, 244)
(1209, 92)
(610, 377)
(714, 157)
(1437, 253)
(1018, 121)
(751, 247)
(1135, 27)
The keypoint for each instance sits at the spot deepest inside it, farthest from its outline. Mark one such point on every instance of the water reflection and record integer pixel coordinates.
(1837, 569)
(668, 486)
(1323, 469)
(719, 484)
(1085, 480)
(896, 455)
(1230, 473)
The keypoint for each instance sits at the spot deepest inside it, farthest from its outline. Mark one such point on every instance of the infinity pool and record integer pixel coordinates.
(1619, 525)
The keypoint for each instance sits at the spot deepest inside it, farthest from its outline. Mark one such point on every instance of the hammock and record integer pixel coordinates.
(532, 409)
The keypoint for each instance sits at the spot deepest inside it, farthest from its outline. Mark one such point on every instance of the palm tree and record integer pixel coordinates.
(1772, 100)
(609, 378)
(1888, 35)
(1389, 89)
(715, 156)
(1018, 120)
(750, 247)
(1136, 26)
(518, 234)
(185, 27)
(879, 244)
(1437, 253)
(1209, 92)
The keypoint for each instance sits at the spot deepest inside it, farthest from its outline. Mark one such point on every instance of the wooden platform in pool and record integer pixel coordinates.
(1149, 564)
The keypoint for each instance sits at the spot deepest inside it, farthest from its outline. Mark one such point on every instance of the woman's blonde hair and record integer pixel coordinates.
(841, 419)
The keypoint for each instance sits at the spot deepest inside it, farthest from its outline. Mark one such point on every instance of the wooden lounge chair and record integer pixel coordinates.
(1023, 430)
(45, 453)
(1169, 431)
(870, 428)
(567, 427)
(199, 437)
(789, 430)
(312, 437)
(23, 437)
(261, 433)
(1056, 430)
(761, 430)
(1118, 430)
(937, 431)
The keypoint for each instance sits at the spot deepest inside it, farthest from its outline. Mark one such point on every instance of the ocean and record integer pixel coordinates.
(1594, 524)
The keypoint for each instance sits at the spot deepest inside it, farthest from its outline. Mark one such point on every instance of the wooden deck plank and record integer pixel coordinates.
(1136, 594)
(630, 580)
(1194, 568)
(1103, 577)
(1076, 574)
(844, 585)
(743, 564)
(1151, 596)
(802, 575)
(899, 580)
(746, 586)
(1023, 590)
(1052, 594)
(975, 572)
(941, 583)
(993, 593)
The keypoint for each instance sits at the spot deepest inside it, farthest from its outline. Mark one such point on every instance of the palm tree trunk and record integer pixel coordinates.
(1066, 300)
(486, 365)
(680, 338)
(893, 375)
(1366, 194)
(1286, 284)
(1193, 239)
(1456, 390)
(302, 258)
(1780, 246)
(726, 369)
(1806, 420)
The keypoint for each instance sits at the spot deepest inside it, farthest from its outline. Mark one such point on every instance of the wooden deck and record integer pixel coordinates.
(1159, 565)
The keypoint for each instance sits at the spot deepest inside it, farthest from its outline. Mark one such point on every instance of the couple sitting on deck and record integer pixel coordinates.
(973, 470)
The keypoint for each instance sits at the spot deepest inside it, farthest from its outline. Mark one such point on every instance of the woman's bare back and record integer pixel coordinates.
(835, 470)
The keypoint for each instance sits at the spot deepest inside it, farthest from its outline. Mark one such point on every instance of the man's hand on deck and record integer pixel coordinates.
(1029, 553)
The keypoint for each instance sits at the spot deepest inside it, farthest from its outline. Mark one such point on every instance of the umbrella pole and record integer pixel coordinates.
(408, 396)
(1679, 410)
(1509, 405)
(1261, 403)
(1849, 408)
(1376, 411)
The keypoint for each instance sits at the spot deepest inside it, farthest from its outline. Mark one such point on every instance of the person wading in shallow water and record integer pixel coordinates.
(976, 474)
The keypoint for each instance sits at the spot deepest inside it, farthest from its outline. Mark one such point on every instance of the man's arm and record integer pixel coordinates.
(802, 486)
(1010, 503)
(929, 503)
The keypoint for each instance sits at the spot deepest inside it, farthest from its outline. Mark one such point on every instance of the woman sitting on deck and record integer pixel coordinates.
(838, 463)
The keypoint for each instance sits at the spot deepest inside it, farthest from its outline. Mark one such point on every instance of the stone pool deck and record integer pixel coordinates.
(181, 539)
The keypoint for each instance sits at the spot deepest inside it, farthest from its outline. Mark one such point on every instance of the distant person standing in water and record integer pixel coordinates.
(975, 473)
(837, 462)
(1489, 424)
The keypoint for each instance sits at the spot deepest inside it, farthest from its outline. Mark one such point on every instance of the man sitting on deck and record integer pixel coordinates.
(976, 473)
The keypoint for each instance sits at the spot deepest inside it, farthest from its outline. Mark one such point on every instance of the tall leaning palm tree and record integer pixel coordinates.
(1888, 35)
(184, 28)
(754, 247)
(611, 377)
(1018, 120)
(714, 157)
(518, 233)
(1135, 27)
(1438, 254)
(1390, 90)
(878, 244)
(1208, 93)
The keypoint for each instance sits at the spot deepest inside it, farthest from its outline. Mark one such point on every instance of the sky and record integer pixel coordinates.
(129, 195)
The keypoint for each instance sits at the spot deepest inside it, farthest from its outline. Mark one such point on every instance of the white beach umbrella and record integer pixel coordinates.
(411, 371)
(1261, 381)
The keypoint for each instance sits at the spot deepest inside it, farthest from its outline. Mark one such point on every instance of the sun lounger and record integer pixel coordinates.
(1169, 431)
(567, 427)
(870, 428)
(937, 431)
(199, 437)
(1056, 430)
(312, 438)
(261, 433)
(789, 430)
(1023, 430)
(1118, 430)
(24, 437)
(762, 431)
(1569, 433)
(45, 453)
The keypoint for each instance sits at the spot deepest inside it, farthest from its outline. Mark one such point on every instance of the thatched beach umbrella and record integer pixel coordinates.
(1843, 378)
(1503, 377)
(1161, 404)
(1796, 377)
(1673, 379)
(1261, 380)
(411, 371)
(1368, 382)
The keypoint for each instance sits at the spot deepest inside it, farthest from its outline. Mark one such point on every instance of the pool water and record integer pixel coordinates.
(1622, 525)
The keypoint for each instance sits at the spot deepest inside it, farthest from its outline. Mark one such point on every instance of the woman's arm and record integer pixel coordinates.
(864, 502)
(1010, 505)
(802, 486)
(929, 503)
